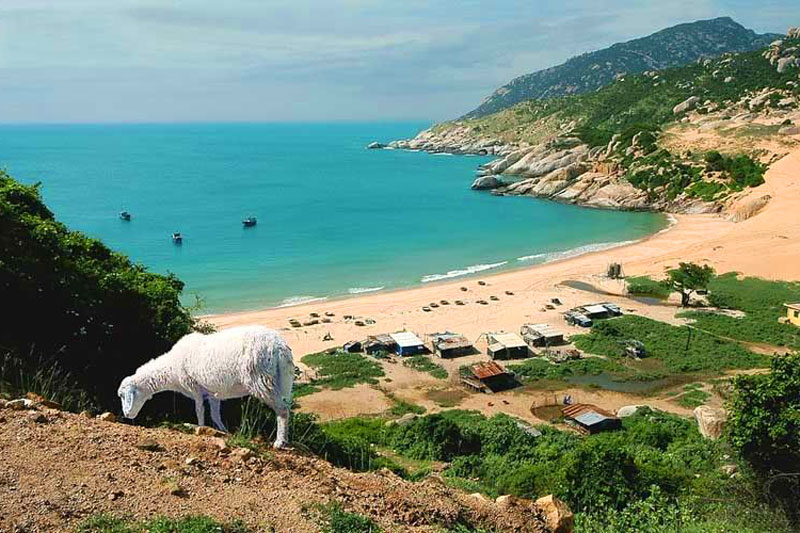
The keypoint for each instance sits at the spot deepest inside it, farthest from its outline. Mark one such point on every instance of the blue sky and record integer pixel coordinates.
(197, 60)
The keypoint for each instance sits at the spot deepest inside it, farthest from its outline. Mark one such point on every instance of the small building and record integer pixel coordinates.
(591, 419)
(379, 344)
(793, 313)
(596, 311)
(541, 335)
(506, 346)
(489, 376)
(407, 343)
(449, 344)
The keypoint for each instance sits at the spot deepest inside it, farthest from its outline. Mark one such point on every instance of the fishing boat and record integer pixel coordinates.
(124, 215)
(249, 222)
(177, 238)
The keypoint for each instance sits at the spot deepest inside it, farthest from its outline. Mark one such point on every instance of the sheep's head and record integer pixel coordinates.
(132, 397)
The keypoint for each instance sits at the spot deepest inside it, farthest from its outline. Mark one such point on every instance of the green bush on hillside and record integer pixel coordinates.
(75, 305)
(341, 370)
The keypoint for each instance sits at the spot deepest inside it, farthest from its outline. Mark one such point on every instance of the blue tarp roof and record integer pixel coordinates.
(591, 418)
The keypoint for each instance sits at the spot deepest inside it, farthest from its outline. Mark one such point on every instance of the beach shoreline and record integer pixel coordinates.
(765, 245)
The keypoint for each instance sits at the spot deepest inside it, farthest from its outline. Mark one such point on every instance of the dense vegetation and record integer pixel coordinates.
(761, 302)
(79, 316)
(670, 47)
(656, 474)
(339, 370)
(424, 364)
(677, 349)
(765, 429)
(640, 102)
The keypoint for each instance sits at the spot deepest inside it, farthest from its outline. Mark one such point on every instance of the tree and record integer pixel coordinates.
(689, 278)
(764, 425)
(74, 304)
(765, 416)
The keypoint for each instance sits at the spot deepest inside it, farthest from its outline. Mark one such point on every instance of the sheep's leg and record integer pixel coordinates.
(200, 409)
(282, 438)
(216, 418)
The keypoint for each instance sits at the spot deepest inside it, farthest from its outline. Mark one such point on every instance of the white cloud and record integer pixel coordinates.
(97, 60)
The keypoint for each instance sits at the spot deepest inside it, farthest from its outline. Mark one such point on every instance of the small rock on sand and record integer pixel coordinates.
(208, 432)
(107, 417)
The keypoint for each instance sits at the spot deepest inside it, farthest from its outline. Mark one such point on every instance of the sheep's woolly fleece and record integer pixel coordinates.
(236, 362)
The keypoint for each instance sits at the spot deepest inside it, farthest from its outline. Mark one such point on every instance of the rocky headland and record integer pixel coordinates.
(659, 169)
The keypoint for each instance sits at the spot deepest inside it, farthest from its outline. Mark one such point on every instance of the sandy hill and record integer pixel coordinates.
(58, 468)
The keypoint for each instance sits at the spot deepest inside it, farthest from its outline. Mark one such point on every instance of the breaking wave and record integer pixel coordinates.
(299, 300)
(463, 272)
(572, 252)
(359, 290)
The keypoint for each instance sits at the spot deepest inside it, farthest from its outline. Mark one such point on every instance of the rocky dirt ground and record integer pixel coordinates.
(57, 468)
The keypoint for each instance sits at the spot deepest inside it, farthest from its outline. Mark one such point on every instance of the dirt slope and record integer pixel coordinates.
(57, 468)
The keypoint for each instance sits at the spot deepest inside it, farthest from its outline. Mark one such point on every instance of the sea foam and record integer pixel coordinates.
(463, 272)
(573, 252)
(360, 290)
(300, 300)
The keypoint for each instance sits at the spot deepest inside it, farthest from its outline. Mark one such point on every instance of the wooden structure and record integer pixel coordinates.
(449, 344)
(541, 335)
(591, 419)
(506, 346)
(488, 376)
(379, 343)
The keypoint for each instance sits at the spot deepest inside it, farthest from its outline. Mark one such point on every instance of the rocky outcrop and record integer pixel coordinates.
(687, 105)
(710, 421)
(456, 139)
(558, 517)
(486, 183)
(375, 145)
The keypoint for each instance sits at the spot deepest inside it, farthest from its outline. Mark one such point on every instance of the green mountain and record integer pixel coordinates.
(674, 46)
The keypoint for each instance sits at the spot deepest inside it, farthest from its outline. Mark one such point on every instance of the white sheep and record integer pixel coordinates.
(235, 362)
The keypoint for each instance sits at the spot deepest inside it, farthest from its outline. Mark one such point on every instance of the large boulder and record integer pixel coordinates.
(687, 105)
(628, 410)
(710, 421)
(557, 515)
(485, 183)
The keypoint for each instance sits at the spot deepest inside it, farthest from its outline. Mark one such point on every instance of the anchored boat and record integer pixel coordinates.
(124, 215)
(249, 222)
(177, 238)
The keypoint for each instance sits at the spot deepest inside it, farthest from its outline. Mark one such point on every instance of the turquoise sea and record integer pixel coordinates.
(333, 218)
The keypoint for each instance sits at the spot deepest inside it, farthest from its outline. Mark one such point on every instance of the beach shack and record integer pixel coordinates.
(793, 314)
(407, 343)
(379, 344)
(595, 311)
(590, 419)
(506, 346)
(488, 376)
(541, 335)
(448, 344)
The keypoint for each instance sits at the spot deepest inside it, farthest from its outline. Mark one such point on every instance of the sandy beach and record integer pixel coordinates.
(765, 245)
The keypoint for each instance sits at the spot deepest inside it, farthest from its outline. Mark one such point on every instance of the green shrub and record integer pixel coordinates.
(646, 286)
(424, 364)
(105, 523)
(334, 519)
(83, 308)
(341, 370)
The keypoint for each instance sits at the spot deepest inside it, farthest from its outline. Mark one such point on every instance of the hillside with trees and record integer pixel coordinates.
(674, 46)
